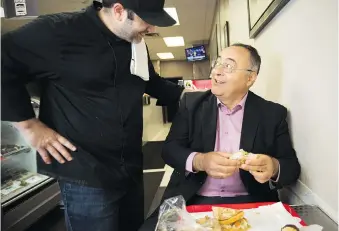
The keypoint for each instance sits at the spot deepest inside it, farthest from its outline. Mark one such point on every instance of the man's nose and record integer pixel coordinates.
(217, 71)
(150, 29)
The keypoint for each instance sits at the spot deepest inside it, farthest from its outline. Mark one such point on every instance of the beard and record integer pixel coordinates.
(128, 33)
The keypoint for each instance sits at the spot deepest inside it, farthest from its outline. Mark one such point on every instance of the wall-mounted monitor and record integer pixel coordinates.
(196, 53)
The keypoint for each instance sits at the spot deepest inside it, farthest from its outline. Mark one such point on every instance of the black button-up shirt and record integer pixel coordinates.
(88, 94)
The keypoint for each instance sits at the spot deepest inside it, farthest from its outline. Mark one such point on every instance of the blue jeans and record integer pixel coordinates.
(97, 209)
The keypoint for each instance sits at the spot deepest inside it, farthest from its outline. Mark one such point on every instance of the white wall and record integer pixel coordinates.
(300, 70)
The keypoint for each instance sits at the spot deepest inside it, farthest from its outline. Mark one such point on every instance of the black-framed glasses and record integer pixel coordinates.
(227, 67)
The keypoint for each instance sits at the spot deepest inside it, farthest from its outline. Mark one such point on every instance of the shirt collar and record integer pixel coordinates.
(241, 104)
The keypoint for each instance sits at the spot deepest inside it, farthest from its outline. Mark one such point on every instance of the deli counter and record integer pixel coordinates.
(25, 194)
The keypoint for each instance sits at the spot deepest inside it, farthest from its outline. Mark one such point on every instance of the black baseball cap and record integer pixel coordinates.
(151, 11)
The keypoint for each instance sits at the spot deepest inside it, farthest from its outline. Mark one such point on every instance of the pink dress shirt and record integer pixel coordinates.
(228, 135)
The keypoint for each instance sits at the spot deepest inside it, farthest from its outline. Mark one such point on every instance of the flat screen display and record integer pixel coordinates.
(196, 53)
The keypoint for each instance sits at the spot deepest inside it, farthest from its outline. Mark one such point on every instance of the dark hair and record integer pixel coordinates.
(110, 3)
(254, 55)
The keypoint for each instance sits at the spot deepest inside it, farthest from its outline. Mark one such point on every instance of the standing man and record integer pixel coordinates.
(89, 132)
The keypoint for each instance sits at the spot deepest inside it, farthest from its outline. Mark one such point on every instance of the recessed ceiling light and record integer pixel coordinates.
(172, 11)
(167, 55)
(174, 41)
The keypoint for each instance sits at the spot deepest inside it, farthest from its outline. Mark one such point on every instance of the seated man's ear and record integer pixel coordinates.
(251, 79)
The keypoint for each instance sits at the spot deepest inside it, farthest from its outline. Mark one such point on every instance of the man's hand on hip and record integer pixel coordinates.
(262, 167)
(45, 140)
(215, 164)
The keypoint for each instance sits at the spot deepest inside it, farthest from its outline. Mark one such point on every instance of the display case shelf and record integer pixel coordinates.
(18, 164)
(12, 189)
(8, 150)
(25, 194)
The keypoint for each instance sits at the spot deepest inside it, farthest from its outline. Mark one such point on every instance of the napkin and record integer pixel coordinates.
(139, 62)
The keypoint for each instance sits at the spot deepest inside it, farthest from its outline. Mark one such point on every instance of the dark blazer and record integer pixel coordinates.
(264, 130)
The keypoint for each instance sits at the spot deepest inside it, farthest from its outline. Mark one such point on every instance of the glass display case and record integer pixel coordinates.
(18, 171)
(23, 190)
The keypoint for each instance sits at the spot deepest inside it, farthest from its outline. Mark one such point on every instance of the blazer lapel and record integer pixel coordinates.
(250, 123)
(209, 123)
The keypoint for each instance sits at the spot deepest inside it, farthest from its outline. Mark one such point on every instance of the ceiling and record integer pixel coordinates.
(195, 17)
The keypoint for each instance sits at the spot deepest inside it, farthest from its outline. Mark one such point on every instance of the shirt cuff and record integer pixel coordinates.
(278, 175)
(189, 162)
(272, 181)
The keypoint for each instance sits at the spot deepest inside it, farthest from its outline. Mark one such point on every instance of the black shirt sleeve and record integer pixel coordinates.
(165, 91)
(25, 56)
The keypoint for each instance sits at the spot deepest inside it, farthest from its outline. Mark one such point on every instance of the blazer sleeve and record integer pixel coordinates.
(176, 148)
(285, 154)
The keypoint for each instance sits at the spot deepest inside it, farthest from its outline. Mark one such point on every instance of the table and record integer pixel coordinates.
(309, 213)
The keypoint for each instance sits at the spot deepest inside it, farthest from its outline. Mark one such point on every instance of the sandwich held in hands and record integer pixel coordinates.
(221, 165)
(262, 167)
(241, 155)
(215, 164)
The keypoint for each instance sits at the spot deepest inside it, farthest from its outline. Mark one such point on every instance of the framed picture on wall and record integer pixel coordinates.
(261, 12)
(217, 40)
(226, 35)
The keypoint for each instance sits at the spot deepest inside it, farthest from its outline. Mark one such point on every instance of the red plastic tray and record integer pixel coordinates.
(207, 208)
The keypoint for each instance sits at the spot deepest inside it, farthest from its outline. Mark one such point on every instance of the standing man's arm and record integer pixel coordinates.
(30, 53)
(165, 91)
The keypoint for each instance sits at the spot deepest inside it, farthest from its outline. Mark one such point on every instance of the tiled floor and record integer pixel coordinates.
(167, 176)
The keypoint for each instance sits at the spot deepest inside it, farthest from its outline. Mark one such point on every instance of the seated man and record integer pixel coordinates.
(212, 125)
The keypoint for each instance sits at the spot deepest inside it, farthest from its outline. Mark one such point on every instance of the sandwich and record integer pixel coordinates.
(230, 219)
(241, 155)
